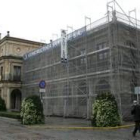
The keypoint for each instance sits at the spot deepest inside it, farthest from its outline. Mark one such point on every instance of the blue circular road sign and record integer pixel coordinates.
(42, 84)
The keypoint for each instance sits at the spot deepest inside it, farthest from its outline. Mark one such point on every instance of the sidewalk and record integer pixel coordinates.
(72, 123)
(66, 123)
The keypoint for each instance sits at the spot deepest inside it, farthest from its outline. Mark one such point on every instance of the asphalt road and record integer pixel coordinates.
(11, 129)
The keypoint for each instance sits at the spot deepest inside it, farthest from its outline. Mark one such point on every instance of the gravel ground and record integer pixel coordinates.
(11, 129)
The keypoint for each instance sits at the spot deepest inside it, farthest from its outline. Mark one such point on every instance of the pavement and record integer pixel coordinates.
(63, 129)
(71, 123)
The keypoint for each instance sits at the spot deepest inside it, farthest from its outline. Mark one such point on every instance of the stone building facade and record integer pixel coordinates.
(11, 60)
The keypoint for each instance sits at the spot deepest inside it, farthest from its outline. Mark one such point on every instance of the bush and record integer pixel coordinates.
(105, 111)
(13, 115)
(32, 110)
(2, 105)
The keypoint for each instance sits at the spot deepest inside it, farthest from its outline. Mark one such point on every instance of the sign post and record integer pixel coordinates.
(42, 85)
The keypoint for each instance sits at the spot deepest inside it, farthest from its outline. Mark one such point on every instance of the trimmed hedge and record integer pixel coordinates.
(105, 111)
(2, 105)
(32, 110)
(13, 115)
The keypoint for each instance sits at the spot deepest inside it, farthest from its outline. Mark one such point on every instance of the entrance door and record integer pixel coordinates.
(16, 99)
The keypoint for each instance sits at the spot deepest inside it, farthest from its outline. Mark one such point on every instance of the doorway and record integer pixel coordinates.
(16, 100)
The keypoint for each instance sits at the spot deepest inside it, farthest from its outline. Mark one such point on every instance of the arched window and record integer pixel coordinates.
(82, 88)
(102, 86)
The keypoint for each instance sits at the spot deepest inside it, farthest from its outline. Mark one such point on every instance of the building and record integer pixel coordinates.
(11, 60)
(102, 57)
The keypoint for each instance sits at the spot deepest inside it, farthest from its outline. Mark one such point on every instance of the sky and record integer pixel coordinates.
(42, 20)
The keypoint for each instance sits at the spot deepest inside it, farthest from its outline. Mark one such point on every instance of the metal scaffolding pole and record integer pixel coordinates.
(86, 64)
(112, 44)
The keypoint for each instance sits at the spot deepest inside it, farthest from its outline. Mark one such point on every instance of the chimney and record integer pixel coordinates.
(8, 33)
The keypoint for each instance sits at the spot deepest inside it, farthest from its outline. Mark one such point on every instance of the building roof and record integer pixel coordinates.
(9, 38)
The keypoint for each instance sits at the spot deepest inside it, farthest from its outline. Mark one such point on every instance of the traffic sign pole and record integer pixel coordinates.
(42, 85)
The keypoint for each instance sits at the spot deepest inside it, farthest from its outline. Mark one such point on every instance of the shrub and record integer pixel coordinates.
(32, 110)
(2, 105)
(105, 111)
(13, 115)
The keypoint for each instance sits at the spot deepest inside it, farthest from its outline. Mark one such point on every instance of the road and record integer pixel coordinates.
(11, 129)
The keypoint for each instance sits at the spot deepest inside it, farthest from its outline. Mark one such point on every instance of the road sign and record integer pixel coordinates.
(42, 90)
(137, 90)
(42, 84)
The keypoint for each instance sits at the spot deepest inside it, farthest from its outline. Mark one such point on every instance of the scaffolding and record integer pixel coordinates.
(102, 57)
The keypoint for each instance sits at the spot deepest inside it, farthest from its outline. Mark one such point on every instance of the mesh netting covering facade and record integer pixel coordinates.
(102, 57)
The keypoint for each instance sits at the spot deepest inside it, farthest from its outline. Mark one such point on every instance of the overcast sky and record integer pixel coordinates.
(38, 20)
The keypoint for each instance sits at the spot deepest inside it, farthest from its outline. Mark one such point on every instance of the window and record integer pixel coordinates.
(83, 59)
(102, 86)
(17, 73)
(83, 52)
(102, 55)
(105, 54)
(101, 46)
(82, 88)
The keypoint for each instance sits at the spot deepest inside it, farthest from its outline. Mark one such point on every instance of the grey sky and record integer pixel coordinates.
(39, 19)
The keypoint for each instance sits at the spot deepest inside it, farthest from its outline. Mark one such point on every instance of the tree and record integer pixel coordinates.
(105, 111)
(32, 110)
